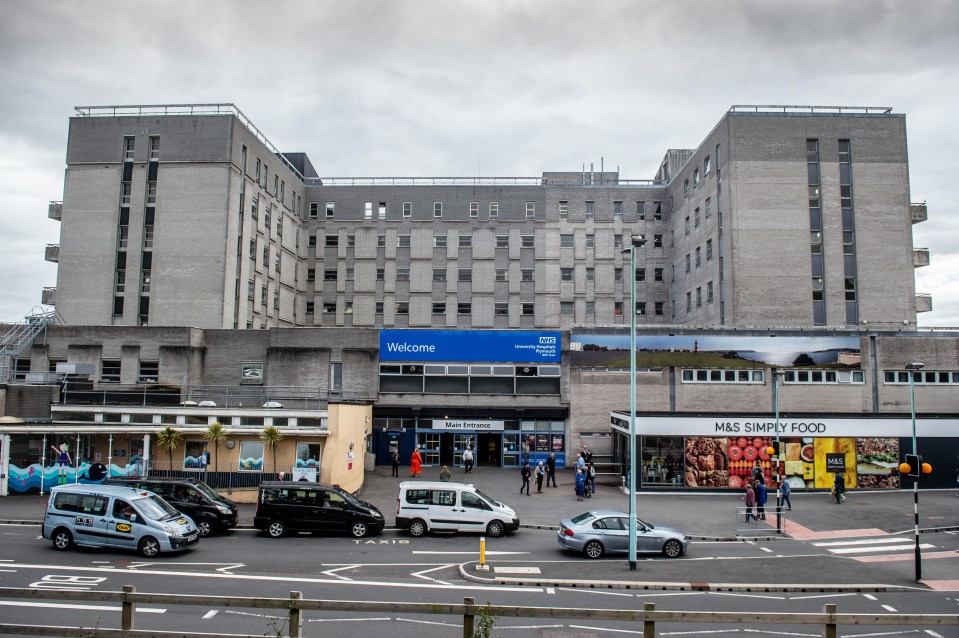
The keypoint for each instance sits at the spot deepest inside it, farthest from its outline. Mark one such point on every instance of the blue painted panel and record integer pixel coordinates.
(493, 346)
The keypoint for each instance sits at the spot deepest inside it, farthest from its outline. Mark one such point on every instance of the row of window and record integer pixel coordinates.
(929, 377)
(723, 376)
(705, 173)
(261, 175)
(699, 296)
(129, 145)
(566, 308)
(378, 212)
(698, 215)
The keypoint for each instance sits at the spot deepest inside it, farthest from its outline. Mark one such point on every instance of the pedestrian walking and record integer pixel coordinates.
(581, 463)
(757, 473)
(445, 474)
(468, 459)
(839, 488)
(761, 497)
(416, 463)
(784, 491)
(590, 479)
(580, 484)
(750, 499)
(395, 457)
(525, 472)
(551, 469)
(540, 475)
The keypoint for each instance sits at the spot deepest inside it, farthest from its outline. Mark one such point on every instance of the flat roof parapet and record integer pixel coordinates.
(803, 109)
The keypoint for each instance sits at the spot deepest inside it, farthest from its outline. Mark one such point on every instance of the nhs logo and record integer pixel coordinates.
(547, 341)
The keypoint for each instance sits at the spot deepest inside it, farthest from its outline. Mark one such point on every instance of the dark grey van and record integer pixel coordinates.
(211, 511)
(283, 506)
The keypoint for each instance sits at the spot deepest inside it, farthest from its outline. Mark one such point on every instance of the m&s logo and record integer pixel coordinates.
(547, 340)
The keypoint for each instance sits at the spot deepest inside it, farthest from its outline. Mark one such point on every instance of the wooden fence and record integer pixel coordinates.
(295, 605)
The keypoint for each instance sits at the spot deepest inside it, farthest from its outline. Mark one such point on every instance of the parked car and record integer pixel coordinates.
(424, 506)
(115, 516)
(210, 510)
(283, 506)
(607, 532)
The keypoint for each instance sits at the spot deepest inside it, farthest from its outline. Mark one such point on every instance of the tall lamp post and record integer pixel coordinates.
(913, 368)
(777, 374)
(635, 241)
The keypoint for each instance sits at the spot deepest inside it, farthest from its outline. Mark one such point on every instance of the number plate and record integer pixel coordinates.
(191, 538)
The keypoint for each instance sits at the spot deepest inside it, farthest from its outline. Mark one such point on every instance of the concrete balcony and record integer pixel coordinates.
(919, 212)
(49, 297)
(55, 211)
(920, 257)
(923, 302)
(52, 253)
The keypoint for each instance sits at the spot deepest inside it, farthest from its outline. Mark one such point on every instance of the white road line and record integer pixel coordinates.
(432, 569)
(593, 591)
(821, 596)
(28, 603)
(889, 608)
(778, 633)
(884, 548)
(933, 634)
(550, 590)
(885, 633)
(329, 572)
(870, 597)
(210, 614)
(864, 541)
(12, 571)
(473, 553)
(505, 627)
(766, 549)
(726, 593)
(674, 593)
(429, 622)
(606, 629)
(346, 619)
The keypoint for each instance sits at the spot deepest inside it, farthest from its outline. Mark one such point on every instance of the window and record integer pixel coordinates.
(502, 241)
(474, 210)
(149, 372)
(709, 209)
(494, 210)
(123, 238)
(330, 206)
(329, 274)
(110, 371)
(530, 210)
(381, 274)
(381, 241)
(120, 285)
(439, 241)
(699, 259)
(309, 307)
(657, 241)
(502, 274)
(311, 240)
(686, 188)
(686, 227)
(501, 308)
(657, 274)
(151, 193)
(658, 308)
(590, 210)
(351, 240)
(618, 211)
(709, 250)
(590, 308)
(407, 210)
(128, 144)
(565, 241)
(252, 453)
(311, 274)
(567, 308)
(368, 211)
(378, 307)
(437, 210)
(254, 205)
(688, 262)
(527, 309)
(640, 308)
(250, 288)
(689, 302)
(723, 376)
(336, 378)
(126, 194)
(263, 295)
(696, 178)
(706, 166)
(349, 274)
(465, 241)
(402, 307)
(439, 308)
(566, 274)
(276, 300)
(699, 297)
(617, 241)
(526, 241)
(618, 274)
(526, 274)
(618, 308)
(563, 210)
(439, 274)
(256, 171)
(640, 211)
(590, 274)
(329, 309)
(709, 292)
(463, 308)
(145, 279)
(696, 217)
(640, 275)
(465, 274)
(381, 211)
(402, 274)
(266, 219)
(332, 240)
(266, 256)
(276, 186)
(590, 241)
(402, 241)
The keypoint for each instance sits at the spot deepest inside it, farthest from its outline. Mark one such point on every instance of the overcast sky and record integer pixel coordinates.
(452, 88)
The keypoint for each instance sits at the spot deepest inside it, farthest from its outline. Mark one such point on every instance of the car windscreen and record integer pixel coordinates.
(155, 508)
(489, 499)
(352, 500)
(582, 518)
(207, 491)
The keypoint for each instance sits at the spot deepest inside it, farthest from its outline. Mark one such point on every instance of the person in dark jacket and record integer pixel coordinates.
(750, 500)
(839, 488)
(525, 472)
(551, 469)
(761, 497)
(395, 457)
(785, 489)
(540, 475)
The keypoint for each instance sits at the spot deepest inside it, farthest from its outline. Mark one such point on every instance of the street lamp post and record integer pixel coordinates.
(779, 501)
(635, 241)
(913, 368)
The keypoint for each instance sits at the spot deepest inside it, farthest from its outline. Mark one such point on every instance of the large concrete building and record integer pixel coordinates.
(209, 278)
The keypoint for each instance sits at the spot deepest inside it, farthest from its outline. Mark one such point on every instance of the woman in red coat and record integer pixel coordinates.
(416, 463)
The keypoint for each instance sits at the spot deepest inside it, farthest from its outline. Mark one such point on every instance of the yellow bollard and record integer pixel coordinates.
(482, 567)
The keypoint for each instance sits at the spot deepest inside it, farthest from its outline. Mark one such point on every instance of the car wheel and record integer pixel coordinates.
(204, 528)
(276, 529)
(62, 539)
(593, 549)
(672, 548)
(149, 547)
(495, 529)
(417, 527)
(359, 530)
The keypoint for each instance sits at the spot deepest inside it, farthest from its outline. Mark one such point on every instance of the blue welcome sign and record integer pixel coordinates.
(494, 346)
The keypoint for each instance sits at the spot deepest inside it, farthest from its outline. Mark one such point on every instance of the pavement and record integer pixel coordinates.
(709, 519)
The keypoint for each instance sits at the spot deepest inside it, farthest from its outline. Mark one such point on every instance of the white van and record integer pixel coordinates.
(423, 506)
(115, 516)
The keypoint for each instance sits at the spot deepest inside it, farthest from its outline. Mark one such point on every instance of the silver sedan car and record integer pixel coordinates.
(607, 531)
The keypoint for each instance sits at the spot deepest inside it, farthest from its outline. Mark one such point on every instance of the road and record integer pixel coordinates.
(394, 567)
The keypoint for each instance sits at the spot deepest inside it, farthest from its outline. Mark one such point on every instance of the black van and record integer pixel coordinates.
(209, 510)
(313, 507)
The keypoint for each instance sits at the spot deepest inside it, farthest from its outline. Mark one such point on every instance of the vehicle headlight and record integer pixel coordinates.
(223, 509)
(169, 529)
(378, 514)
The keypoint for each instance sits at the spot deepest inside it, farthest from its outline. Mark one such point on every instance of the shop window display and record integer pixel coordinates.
(662, 460)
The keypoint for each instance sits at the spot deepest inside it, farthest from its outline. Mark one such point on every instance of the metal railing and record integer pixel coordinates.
(225, 476)
(224, 396)
(828, 619)
(751, 522)
(799, 108)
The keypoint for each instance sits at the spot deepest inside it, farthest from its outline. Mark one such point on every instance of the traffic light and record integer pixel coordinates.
(912, 466)
(773, 449)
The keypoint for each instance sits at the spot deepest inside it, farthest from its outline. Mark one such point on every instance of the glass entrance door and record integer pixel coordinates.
(429, 443)
(461, 441)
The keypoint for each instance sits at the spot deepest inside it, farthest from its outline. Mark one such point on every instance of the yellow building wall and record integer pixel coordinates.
(348, 424)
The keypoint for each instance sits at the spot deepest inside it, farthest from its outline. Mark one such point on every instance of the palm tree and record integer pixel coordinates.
(272, 435)
(216, 433)
(169, 440)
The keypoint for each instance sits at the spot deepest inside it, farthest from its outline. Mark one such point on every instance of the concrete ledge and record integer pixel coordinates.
(467, 572)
